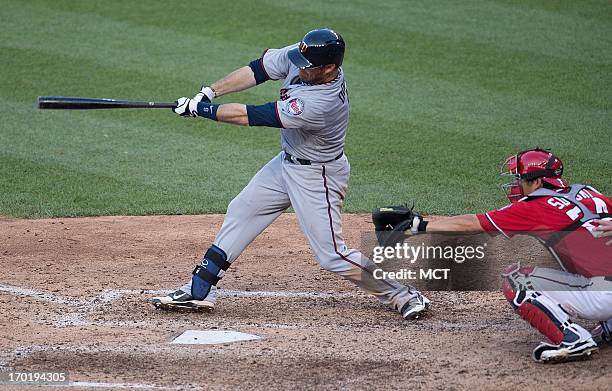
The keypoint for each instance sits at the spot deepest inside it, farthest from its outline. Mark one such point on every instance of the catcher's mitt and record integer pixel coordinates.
(393, 224)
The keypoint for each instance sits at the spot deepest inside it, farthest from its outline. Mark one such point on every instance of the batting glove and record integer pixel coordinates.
(186, 107)
(206, 94)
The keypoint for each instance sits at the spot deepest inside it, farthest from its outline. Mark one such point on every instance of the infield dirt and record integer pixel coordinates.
(74, 296)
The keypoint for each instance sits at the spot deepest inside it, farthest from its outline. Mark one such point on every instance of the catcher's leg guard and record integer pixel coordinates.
(208, 273)
(539, 310)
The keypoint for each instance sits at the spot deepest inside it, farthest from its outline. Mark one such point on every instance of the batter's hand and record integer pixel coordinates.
(604, 229)
(186, 107)
(206, 94)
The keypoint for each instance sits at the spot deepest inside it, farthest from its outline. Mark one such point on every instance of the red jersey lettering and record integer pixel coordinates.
(556, 222)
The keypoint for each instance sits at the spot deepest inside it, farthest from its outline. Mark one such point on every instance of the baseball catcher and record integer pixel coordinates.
(570, 221)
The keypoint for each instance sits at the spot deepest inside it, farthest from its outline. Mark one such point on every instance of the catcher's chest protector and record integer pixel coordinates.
(575, 247)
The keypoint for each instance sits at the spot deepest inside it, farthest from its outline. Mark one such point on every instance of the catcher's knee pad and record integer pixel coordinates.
(515, 282)
(208, 272)
(540, 311)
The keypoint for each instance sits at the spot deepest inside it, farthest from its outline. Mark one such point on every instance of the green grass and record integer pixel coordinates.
(441, 92)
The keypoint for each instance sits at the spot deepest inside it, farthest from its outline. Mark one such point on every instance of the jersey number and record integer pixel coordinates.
(574, 213)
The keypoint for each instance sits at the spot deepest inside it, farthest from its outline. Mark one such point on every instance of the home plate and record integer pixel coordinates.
(210, 337)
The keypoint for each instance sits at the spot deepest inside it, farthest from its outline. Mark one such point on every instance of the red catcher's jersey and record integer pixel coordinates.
(548, 219)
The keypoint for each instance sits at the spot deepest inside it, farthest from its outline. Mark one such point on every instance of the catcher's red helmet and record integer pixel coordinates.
(529, 165)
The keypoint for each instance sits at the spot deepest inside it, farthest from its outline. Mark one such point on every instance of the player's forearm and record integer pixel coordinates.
(236, 113)
(456, 224)
(233, 113)
(239, 80)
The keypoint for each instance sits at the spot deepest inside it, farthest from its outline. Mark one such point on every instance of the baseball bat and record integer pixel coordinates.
(76, 103)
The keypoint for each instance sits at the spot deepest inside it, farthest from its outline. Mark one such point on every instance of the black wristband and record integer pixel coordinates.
(208, 110)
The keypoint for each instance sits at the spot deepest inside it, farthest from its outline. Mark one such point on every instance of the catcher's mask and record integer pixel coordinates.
(529, 165)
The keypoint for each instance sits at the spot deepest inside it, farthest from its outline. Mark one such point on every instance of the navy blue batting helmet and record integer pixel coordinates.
(318, 47)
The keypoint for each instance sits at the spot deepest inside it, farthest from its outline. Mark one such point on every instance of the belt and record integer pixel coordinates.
(305, 162)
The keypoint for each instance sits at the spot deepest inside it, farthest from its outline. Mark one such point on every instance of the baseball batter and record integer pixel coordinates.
(310, 174)
(570, 222)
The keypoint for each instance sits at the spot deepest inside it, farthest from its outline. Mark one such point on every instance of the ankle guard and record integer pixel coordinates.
(208, 273)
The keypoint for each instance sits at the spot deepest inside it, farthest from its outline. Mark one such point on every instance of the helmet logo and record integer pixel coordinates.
(303, 47)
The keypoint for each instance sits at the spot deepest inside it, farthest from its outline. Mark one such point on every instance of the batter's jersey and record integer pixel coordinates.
(314, 118)
(556, 223)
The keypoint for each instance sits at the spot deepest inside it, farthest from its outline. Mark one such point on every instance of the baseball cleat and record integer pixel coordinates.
(415, 307)
(602, 334)
(547, 353)
(179, 300)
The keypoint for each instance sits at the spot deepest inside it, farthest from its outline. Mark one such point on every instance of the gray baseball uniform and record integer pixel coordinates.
(311, 174)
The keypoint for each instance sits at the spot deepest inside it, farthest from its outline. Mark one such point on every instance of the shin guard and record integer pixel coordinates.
(541, 313)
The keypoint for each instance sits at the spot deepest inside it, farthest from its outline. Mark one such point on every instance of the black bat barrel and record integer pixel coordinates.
(77, 103)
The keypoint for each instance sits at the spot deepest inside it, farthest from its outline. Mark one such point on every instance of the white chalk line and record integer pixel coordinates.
(83, 307)
(109, 295)
(79, 319)
(72, 319)
(285, 294)
(41, 296)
